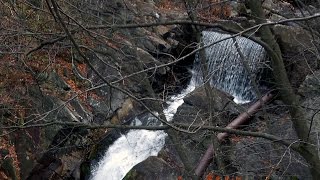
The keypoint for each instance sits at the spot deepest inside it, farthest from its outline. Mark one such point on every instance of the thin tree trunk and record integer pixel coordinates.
(287, 94)
(191, 7)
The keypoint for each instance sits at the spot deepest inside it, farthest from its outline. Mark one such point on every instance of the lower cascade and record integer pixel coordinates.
(226, 72)
(137, 145)
(127, 151)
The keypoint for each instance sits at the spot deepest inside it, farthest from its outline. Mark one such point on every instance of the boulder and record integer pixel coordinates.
(152, 168)
(198, 98)
(258, 157)
(310, 100)
(293, 39)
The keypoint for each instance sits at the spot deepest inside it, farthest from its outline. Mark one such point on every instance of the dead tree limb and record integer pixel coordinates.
(241, 119)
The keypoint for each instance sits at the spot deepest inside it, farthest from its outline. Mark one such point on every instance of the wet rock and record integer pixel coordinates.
(198, 98)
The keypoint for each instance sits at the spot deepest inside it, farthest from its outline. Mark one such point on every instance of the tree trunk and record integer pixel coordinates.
(287, 94)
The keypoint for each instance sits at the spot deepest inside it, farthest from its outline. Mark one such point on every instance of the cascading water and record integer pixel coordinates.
(137, 145)
(225, 65)
(227, 74)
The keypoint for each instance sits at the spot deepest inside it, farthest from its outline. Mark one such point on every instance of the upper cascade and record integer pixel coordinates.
(226, 67)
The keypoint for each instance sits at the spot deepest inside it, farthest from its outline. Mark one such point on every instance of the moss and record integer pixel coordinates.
(4, 152)
(7, 166)
(131, 175)
(85, 170)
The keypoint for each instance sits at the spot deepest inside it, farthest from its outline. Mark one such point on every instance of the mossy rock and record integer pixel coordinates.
(131, 175)
(85, 170)
(4, 152)
(9, 169)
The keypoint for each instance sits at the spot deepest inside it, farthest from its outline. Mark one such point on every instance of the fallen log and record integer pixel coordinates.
(241, 119)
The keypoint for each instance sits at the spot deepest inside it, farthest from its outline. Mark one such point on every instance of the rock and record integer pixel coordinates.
(107, 103)
(280, 6)
(84, 116)
(293, 39)
(149, 41)
(195, 112)
(50, 171)
(310, 92)
(159, 44)
(71, 164)
(162, 30)
(198, 98)
(6, 164)
(259, 157)
(58, 81)
(298, 52)
(149, 61)
(127, 110)
(152, 168)
(311, 85)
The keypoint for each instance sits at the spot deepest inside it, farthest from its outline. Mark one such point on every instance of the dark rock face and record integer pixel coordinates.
(257, 157)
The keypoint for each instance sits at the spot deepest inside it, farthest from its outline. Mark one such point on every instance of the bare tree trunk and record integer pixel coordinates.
(287, 94)
(191, 6)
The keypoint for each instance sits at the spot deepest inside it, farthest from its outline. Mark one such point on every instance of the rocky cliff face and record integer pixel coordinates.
(53, 90)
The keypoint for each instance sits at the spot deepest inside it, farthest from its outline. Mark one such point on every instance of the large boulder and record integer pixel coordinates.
(258, 157)
(310, 101)
(153, 168)
(298, 47)
(293, 39)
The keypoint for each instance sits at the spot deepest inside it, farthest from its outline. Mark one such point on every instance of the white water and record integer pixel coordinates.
(127, 151)
(136, 146)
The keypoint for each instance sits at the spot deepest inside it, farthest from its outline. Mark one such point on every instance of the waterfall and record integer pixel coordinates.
(225, 66)
(226, 73)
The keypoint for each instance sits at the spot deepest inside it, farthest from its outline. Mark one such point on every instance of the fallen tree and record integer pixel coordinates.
(241, 119)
